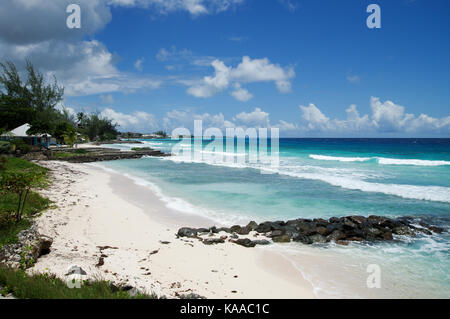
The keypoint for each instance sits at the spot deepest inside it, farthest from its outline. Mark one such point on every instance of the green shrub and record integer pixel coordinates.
(5, 147)
(3, 162)
(47, 286)
(23, 147)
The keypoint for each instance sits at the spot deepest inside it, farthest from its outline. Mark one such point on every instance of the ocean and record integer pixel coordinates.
(314, 178)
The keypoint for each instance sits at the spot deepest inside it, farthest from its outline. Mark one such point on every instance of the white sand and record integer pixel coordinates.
(100, 208)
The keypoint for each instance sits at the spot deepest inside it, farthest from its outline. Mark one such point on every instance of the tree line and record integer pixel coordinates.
(33, 99)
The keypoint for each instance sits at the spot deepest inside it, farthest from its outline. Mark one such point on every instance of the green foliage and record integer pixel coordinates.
(162, 134)
(19, 182)
(3, 162)
(32, 100)
(70, 135)
(47, 286)
(96, 127)
(14, 112)
(5, 147)
(20, 145)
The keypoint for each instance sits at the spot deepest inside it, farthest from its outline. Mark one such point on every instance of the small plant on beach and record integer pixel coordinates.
(21, 182)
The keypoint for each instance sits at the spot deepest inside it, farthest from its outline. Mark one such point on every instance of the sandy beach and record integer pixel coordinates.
(120, 231)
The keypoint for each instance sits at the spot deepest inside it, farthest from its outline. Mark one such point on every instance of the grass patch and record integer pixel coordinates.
(15, 164)
(9, 228)
(64, 155)
(45, 286)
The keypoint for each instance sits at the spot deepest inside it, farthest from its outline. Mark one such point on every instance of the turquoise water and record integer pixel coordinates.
(321, 178)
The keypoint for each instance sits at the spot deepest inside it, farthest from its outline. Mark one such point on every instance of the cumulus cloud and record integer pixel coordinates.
(135, 122)
(257, 118)
(35, 21)
(185, 118)
(387, 118)
(83, 67)
(194, 7)
(241, 94)
(248, 71)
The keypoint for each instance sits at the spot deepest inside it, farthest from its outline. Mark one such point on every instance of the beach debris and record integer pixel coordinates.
(101, 262)
(164, 242)
(154, 252)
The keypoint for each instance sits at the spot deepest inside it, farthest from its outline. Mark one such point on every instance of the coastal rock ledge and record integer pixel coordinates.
(29, 247)
(340, 230)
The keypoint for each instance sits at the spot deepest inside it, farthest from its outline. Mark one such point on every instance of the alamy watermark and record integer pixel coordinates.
(374, 19)
(374, 279)
(73, 21)
(237, 146)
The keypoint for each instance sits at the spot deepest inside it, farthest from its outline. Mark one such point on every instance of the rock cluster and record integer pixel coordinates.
(29, 247)
(339, 230)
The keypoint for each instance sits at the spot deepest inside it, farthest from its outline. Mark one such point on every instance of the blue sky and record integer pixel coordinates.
(312, 68)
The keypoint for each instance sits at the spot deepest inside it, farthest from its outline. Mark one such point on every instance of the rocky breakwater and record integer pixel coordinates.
(29, 247)
(99, 154)
(340, 230)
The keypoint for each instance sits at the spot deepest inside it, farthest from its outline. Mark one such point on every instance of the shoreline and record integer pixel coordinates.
(98, 208)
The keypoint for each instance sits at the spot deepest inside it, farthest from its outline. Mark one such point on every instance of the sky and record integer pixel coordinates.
(311, 68)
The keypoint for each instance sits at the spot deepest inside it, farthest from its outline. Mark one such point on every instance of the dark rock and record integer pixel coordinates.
(322, 231)
(281, 239)
(261, 242)
(213, 241)
(317, 238)
(235, 229)
(306, 228)
(276, 233)
(387, 235)
(358, 219)
(187, 232)
(336, 235)
(252, 225)
(245, 242)
(245, 230)
(403, 230)
(264, 227)
(303, 239)
(437, 230)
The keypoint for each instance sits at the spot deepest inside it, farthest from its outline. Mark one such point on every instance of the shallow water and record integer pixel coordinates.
(321, 178)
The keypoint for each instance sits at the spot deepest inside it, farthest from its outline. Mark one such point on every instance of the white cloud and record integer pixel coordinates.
(138, 65)
(35, 21)
(107, 99)
(386, 118)
(257, 118)
(353, 78)
(248, 71)
(194, 7)
(291, 5)
(314, 118)
(82, 67)
(134, 122)
(241, 94)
